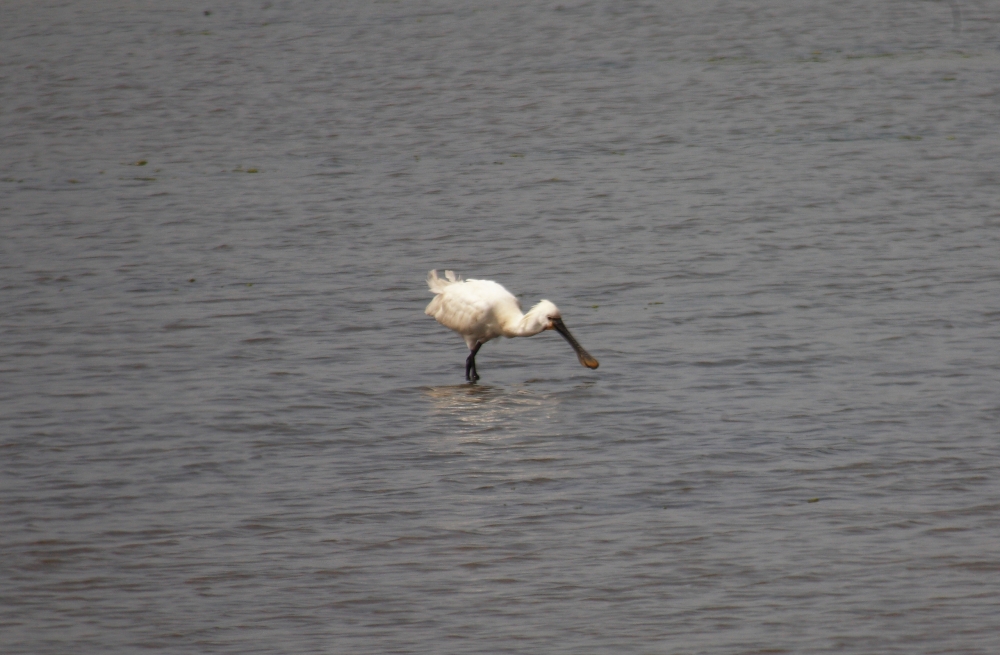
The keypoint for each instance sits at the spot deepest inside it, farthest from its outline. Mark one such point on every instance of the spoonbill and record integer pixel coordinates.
(481, 310)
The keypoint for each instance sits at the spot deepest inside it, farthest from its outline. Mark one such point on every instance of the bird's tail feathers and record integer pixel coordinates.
(437, 284)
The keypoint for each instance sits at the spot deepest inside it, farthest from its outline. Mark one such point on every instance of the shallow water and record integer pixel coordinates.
(227, 426)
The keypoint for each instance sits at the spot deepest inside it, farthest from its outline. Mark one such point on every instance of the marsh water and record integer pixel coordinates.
(226, 425)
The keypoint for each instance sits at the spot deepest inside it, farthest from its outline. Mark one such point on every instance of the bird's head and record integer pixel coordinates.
(547, 313)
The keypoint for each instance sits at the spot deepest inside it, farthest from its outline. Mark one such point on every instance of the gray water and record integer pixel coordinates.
(226, 425)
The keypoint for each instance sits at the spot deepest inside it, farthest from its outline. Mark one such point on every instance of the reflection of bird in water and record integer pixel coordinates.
(481, 310)
(488, 412)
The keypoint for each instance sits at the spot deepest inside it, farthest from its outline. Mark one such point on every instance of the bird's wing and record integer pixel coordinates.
(459, 307)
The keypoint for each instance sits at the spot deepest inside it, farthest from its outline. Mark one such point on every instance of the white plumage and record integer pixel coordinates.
(481, 310)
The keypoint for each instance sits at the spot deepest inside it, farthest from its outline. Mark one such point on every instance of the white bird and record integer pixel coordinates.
(481, 310)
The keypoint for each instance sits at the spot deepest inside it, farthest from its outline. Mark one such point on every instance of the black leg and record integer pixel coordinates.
(470, 364)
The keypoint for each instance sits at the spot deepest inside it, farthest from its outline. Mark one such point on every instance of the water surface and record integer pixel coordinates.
(227, 426)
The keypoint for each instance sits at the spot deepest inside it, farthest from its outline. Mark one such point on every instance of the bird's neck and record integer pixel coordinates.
(526, 325)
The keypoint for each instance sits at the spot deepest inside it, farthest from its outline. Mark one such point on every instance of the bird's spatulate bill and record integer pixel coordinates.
(585, 358)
